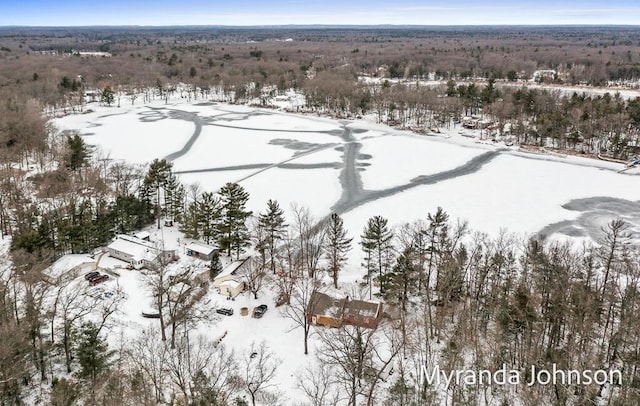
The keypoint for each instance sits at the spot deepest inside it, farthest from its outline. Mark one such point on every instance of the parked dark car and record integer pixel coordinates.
(225, 310)
(259, 311)
(91, 275)
(98, 279)
(94, 276)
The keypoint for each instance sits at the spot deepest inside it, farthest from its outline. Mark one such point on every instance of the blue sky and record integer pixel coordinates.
(265, 12)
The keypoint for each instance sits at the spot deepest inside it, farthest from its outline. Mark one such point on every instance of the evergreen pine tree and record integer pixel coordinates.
(190, 224)
(108, 96)
(209, 216)
(377, 246)
(273, 223)
(234, 235)
(336, 246)
(438, 247)
(216, 266)
(77, 154)
(173, 199)
(155, 181)
(403, 279)
(92, 352)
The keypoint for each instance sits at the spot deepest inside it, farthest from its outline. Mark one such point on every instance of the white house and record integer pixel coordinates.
(230, 280)
(139, 253)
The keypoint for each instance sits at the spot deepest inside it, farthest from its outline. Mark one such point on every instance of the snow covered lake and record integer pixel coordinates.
(360, 169)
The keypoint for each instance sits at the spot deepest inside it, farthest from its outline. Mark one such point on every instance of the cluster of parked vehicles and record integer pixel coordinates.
(95, 278)
(258, 311)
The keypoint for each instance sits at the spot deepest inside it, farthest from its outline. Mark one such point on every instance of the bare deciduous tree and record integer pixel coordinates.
(259, 367)
(318, 384)
(309, 236)
(348, 351)
(301, 303)
(254, 277)
(184, 300)
(150, 357)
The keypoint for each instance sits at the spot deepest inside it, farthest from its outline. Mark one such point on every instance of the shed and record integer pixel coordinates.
(235, 273)
(231, 288)
(143, 235)
(201, 250)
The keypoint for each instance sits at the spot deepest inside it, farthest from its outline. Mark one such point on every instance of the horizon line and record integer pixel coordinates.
(320, 25)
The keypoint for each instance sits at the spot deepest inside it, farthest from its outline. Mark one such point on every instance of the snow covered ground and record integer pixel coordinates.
(358, 169)
(397, 160)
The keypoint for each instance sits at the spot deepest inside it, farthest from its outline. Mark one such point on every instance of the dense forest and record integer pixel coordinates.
(463, 297)
(427, 78)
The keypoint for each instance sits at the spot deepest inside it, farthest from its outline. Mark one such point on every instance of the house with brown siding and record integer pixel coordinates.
(325, 310)
(334, 312)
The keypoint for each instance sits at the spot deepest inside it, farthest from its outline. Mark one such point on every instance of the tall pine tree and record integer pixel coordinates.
(216, 266)
(273, 224)
(377, 246)
(156, 181)
(92, 351)
(336, 246)
(77, 153)
(173, 199)
(234, 235)
(209, 216)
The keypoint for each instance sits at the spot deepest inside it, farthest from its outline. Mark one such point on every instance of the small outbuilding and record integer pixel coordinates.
(229, 281)
(231, 288)
(143, 235)
(201, 250)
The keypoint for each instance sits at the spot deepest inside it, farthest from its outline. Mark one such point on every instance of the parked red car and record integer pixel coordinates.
(98, 279)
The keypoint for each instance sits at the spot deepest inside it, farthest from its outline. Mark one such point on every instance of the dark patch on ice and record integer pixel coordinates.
(364, 156)
(359, 130)
(294, 144)
(596, 213)
(339, 149)
(87, 134)
(151, 116)
(113, 114)
(205, 104)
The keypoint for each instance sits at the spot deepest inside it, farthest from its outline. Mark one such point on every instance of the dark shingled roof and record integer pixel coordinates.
(361, 308)
(325, 305)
